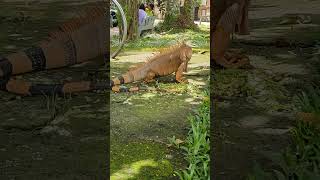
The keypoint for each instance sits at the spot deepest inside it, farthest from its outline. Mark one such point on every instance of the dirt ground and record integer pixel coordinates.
(50, 137)
(255, 109)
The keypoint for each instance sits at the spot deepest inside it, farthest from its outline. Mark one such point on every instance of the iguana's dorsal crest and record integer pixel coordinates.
(172, 48)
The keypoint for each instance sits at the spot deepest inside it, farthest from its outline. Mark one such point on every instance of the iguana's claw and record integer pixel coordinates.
(183, 80)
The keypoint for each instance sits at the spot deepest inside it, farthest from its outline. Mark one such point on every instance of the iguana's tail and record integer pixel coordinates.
(132, 89)
(116, 82)
(131, 76)
(79, 40)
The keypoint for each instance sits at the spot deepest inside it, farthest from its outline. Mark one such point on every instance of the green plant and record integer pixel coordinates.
(309, 100)
(52, 105)
(300, 161)
(197, 145)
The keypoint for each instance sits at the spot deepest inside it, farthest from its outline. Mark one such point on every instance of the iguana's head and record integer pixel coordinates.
(187, 51)
(186, 54)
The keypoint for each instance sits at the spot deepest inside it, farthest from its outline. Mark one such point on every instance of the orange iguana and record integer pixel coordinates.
(228, 16)
(171, 60)
(76, 41)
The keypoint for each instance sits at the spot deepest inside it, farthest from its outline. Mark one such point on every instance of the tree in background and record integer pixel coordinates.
(186, 17)
(130, 8)
(178, 14)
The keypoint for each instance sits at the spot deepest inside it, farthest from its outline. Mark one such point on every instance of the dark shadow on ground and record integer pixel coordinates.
(50, 137)
(253, 121)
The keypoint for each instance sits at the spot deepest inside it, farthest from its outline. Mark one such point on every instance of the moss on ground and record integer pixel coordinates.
(141, 160)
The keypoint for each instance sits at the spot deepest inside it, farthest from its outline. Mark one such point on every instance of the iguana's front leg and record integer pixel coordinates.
(179, 74)
(221, 39)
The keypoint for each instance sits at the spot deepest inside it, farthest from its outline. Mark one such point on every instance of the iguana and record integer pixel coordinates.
(228, 16)
(76, 41)
(171, 60)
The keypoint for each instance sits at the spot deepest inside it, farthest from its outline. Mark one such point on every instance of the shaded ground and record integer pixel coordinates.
(141, 122)
(50, 137)
(256, 108)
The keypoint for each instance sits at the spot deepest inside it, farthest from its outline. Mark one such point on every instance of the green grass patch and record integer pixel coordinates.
(174, 87)
(139, 160)
(197, 144)
(309, 100)
(199, 39)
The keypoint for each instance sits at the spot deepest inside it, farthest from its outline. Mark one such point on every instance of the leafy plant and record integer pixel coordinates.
(301, 161)
(197, 145)
(309, 100)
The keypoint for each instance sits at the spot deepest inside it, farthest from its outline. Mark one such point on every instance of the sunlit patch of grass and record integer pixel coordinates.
(139, 160)
(199, 39)
(174, 87)
(130, 171)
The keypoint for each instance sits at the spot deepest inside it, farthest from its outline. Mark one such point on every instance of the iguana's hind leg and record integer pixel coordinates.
(150, 77)
(179, 74)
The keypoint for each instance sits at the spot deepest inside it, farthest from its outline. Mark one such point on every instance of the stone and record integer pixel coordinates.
(254, 121)
(271, 131)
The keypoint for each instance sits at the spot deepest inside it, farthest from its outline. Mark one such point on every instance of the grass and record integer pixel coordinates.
(146, 160)
(231, 83)
(301, 160)
(197, 145)
(309, 100)
(55, 108)
(200, 40)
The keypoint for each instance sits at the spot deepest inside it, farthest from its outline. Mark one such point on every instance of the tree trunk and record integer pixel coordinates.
(133, 23)
(130, 8)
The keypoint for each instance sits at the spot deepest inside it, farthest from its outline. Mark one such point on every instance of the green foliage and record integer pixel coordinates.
(177, 17)
(197, 2)
(301, 161)
(309, 100)
(197, 146)
(168, 23)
